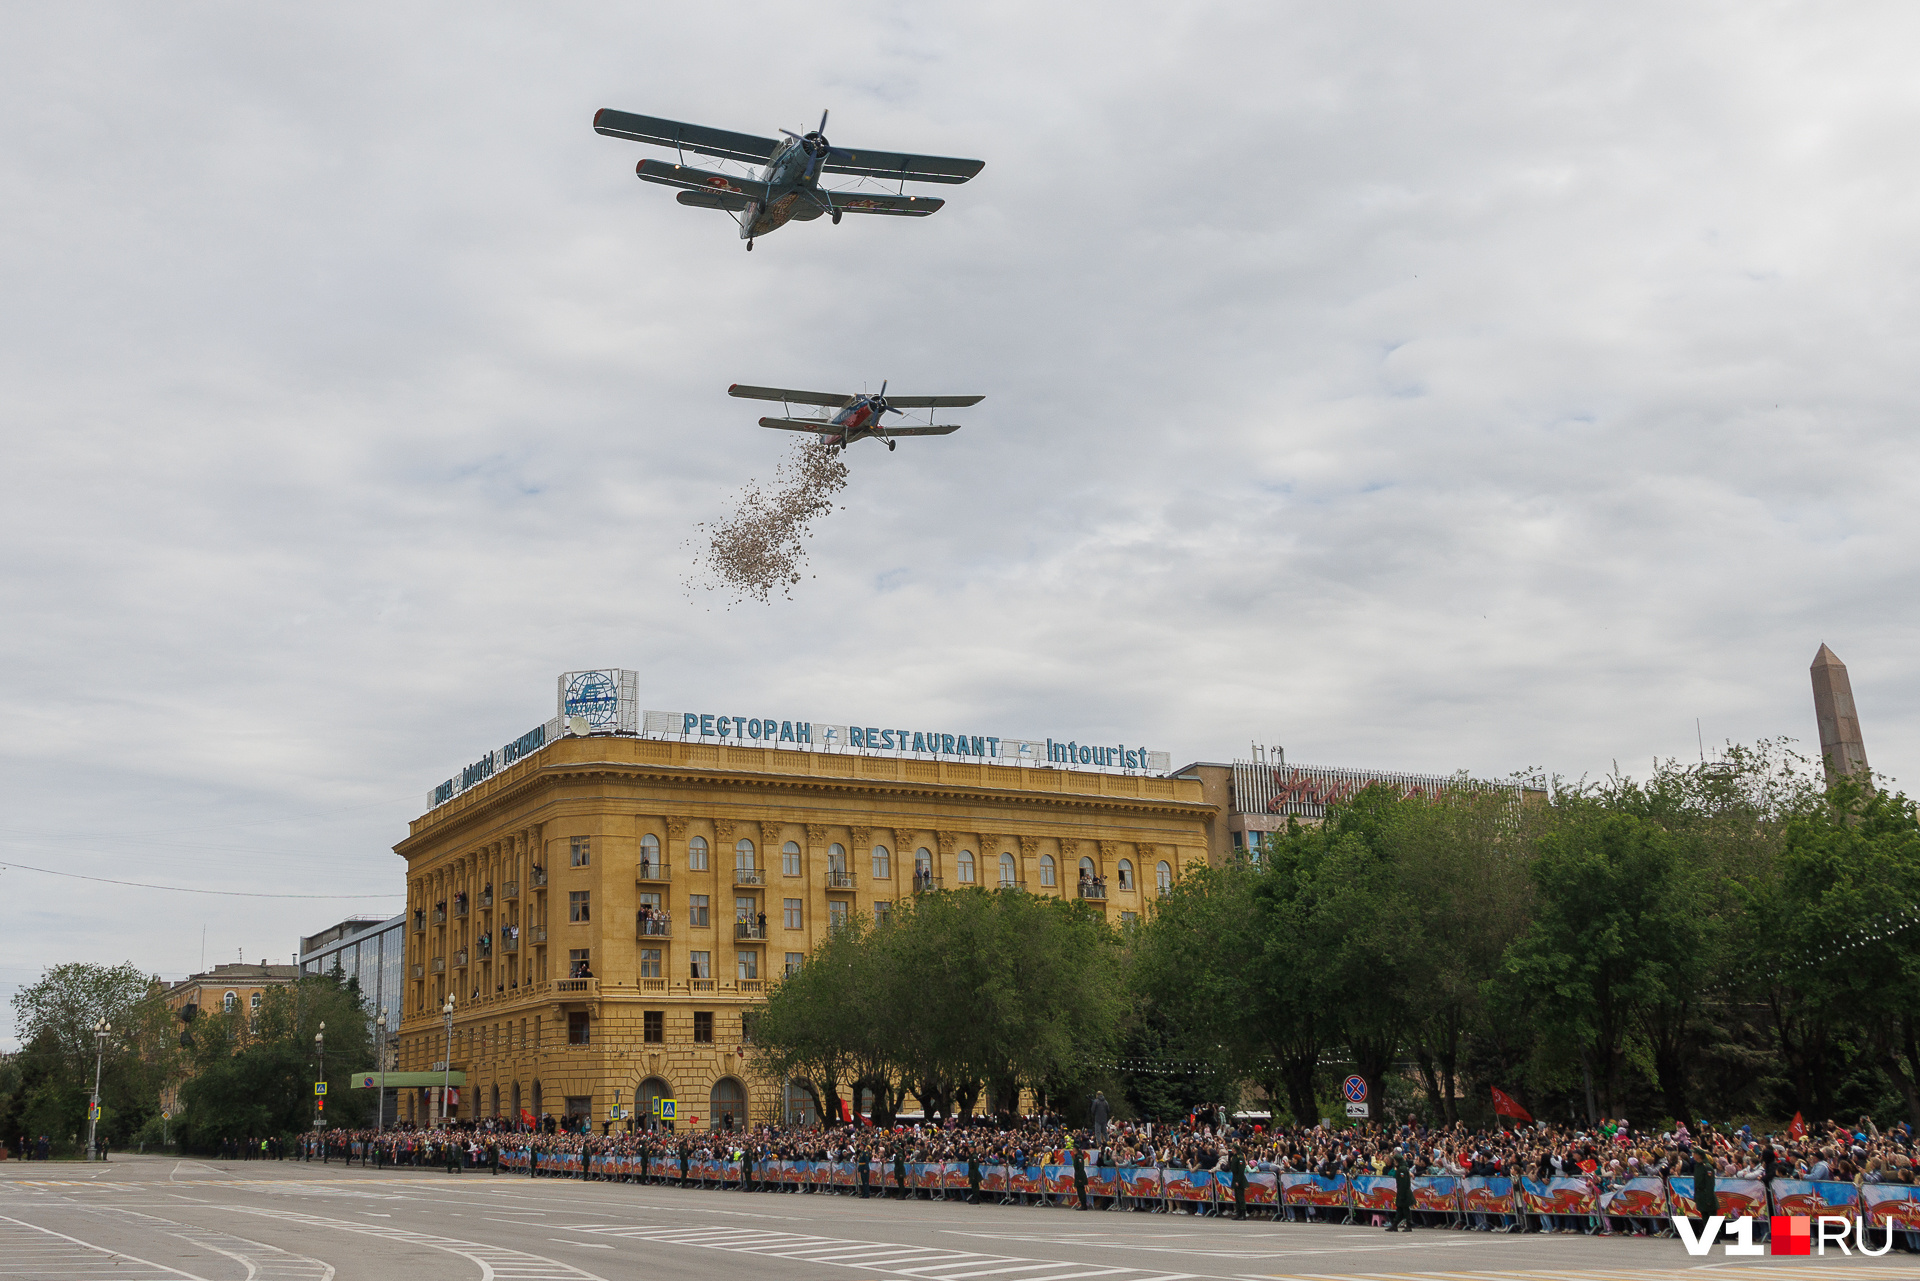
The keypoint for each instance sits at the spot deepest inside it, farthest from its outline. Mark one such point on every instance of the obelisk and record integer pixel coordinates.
(1841, 746)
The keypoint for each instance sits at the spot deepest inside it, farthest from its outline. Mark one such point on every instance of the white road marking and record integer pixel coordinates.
(581, 1245)
(27, 1250)
(494, 1261)
(263, 1262)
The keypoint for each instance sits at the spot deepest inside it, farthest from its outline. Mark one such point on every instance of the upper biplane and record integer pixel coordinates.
(788, 187)
(856, 416)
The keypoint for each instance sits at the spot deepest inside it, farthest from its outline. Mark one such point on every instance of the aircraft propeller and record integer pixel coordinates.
(817, 146)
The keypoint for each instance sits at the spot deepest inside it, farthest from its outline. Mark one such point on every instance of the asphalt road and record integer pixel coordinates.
(162, 1219)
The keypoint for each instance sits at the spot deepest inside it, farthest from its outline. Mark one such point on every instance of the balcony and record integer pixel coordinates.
(653, 985)
(440, 915)
(699, 985)
(1089, 890)
(748, 876)
(419, 919)
(752, 985)
(460, 960)
(1013, 882)
(459, 907)
(511, 890)
(486, 898)
(439, 965)
(511, 943)
(839, 880)
(1165, 890)
(749, 930)
(419, 971)
(539, 877)
(574, 987)
(923, 882)
(659, 925)
(539, 933)
(652, 872)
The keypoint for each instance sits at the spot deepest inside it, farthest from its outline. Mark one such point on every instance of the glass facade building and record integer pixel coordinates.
(369, 949)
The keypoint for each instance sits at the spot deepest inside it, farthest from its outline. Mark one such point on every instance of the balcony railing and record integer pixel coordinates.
(751, 985)
(460, 959)
(539, 933)
(539, 877)
(486, 898)
(839, 880)
(1089, 890)
(1165, 890)
(419, 919)
(439, 965)
(653, 985)
(575, 986)
(747, 876)
(659, 925)
(743, 930)
(925, 881)
(652, 872)
(511, 943)
(512, 890)
(439, 916)
(419, 971)
(700, 985)
(1013, 882)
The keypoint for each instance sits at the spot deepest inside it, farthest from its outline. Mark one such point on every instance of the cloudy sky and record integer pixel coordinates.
(1428, 387)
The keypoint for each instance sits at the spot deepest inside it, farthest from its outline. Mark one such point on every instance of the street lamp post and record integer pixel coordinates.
(320, 1062)
(380, 1048)
(446, 1062)
(100, 1032)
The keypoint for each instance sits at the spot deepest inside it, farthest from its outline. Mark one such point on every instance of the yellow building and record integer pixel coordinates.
(602, 910)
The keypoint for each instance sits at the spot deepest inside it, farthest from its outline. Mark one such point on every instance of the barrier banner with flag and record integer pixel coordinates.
(1437, 1194)
(1812, 1199)
(1141, 1182)
(1492, 1195)
(1327, 1191)
(1891, 1205)
(1263, 1187)
(1638, 1199)
(1560, 1196)
(1372, 1191)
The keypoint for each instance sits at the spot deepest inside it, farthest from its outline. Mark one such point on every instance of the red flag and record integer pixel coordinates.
(1797, 1130)
(1503, 1105)
(845, 1119)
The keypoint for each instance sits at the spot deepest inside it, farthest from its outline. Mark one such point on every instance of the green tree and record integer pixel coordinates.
(55, 1017)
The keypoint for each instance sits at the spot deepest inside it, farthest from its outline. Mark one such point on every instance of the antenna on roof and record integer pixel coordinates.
(1701, 739)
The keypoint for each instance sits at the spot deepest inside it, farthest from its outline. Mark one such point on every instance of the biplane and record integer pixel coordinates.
(788, 188)
(855, 416)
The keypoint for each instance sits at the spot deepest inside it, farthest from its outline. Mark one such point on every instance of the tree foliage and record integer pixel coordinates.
(51, 1083)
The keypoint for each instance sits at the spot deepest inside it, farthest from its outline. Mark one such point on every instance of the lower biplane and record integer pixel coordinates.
(788, 188)
(856, 415)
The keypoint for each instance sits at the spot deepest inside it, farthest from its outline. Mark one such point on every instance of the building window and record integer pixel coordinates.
(794, 961)
(836, 857)
(882, 863)
(882, 913)
(253, 1003)
(743, 856)
(703, 1026)
(836, 913)
(1126, 873)
(749, 964)
(923, 862)
(649, 962)
(1046, 869)
(1129, 919)
(1163, 876)
(577, 1028)
(229, 1001)
(697, 911)
(697, 854)
(791, 912)
(581, 849)
(1086, 869)
(745, 909)
(577, 907)
(700, 965)
(578, 964)
(964, 866)
(790, 859)
(653, 1026)
(650, 853)
(1006, 870)
(650, 901)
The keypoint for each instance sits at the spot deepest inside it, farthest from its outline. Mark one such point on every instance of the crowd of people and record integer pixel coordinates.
(1606, 1156)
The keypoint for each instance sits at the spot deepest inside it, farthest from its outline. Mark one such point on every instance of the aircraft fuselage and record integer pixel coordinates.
(791, 178)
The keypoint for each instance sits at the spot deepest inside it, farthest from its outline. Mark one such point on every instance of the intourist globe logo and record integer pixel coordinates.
(1786, 1234)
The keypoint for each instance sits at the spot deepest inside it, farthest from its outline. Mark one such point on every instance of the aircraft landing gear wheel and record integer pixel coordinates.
(836, 217)
(891, 444)
(749, 246)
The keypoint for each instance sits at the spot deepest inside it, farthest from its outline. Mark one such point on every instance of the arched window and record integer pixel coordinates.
(1046, 869)
(790, 859)
(964, 860)
(697, 854)
(1086, 869)
(646, 1100)
(253, 1003)
(650, 853)
(1163, 876)
(743, 855)
(228, 1001)
(1126, 873)
(882, 863)
(729, 1104)
(923, 861)
(1006, 869)
(836, 857)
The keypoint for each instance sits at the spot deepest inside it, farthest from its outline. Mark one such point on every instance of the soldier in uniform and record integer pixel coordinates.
(1237, 1169)
(1079, 1178)
(1402, 1194)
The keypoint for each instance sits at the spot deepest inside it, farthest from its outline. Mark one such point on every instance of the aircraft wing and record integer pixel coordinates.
(696, 138)
(896, 165)
(933, 402)
(923, 430)
(884, 203)
(831, 399)
(819, 426)
(691, 179)
(728, 201)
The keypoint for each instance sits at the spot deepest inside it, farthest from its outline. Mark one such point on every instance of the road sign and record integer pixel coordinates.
(93, 1112)
(166, 1116)
(1361, 1110)
(1355, 1088)
(667, 1107)
(319, 1089)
